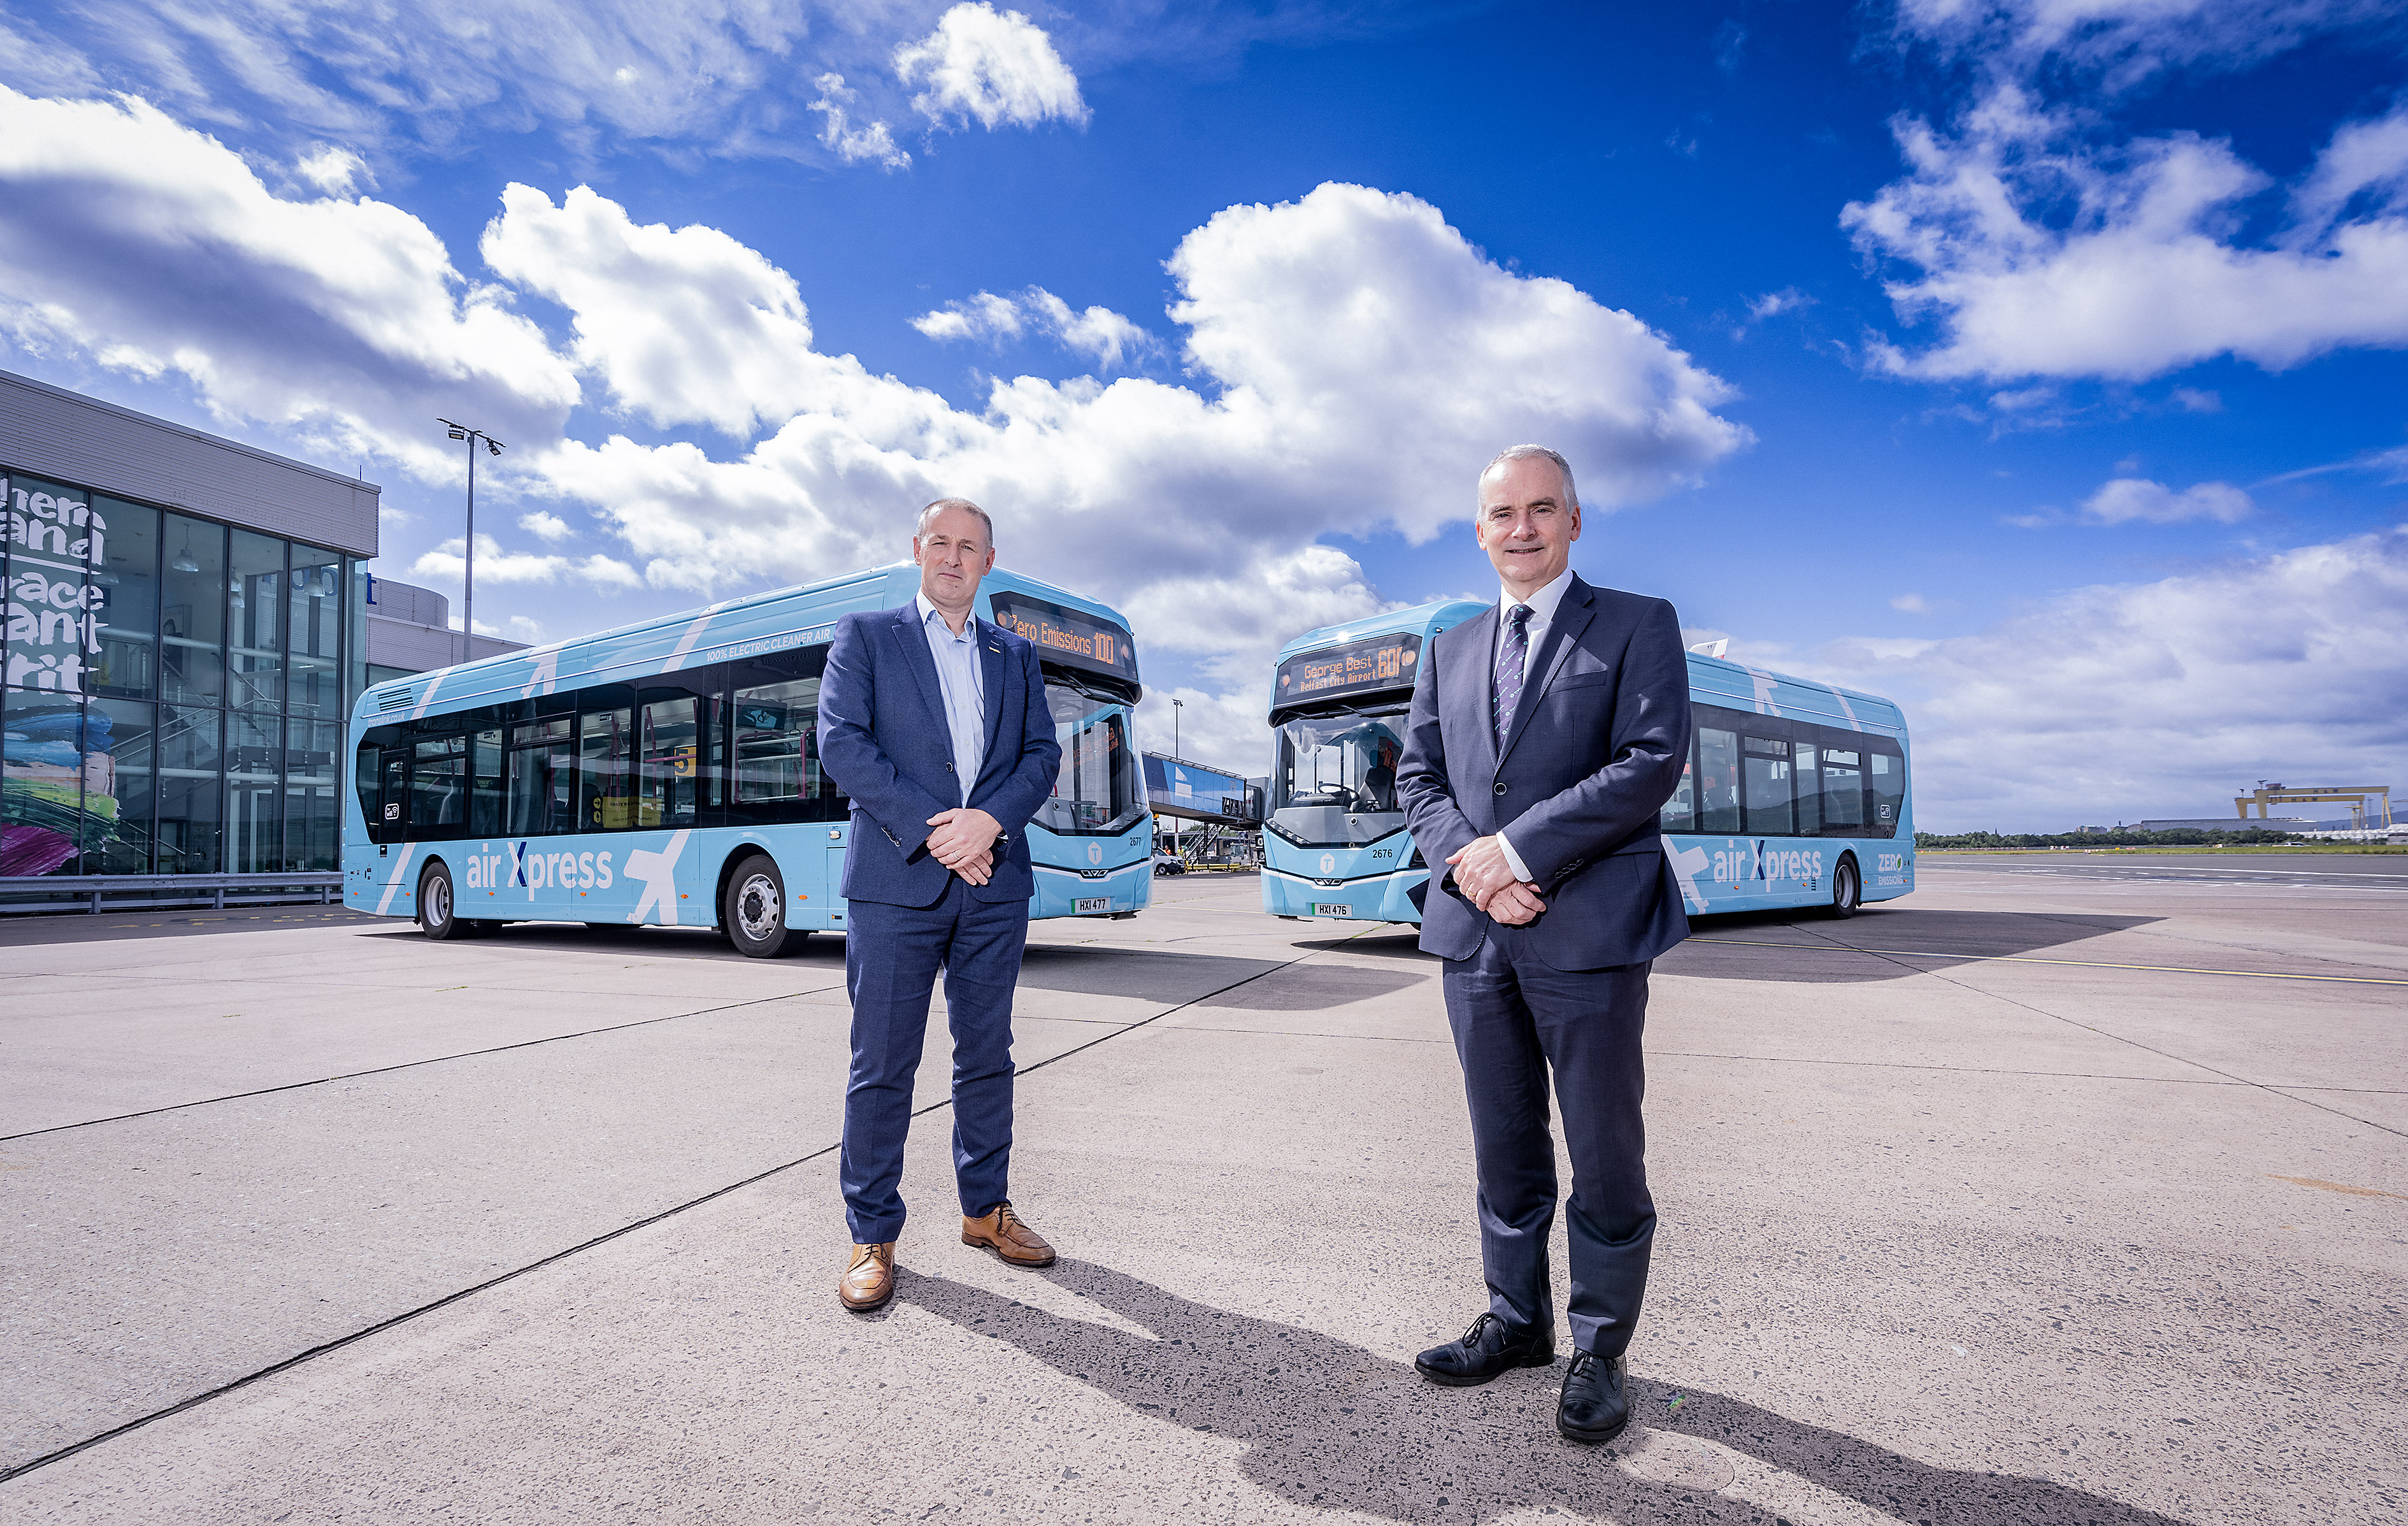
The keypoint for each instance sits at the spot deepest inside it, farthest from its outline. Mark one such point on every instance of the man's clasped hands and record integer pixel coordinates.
(1482, 874)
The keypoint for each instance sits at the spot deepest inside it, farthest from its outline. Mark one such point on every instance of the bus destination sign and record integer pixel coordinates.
(1070, 637)
(1375, 662)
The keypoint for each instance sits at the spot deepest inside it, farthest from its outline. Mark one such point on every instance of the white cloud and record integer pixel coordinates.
(1911, 604)
(334, 171)
(981, 315)
(447, 566)
(156, 251)
(682, 326)
(997, 66)
(522, 628)
(853, 144)
(1320, 325)
(1350, 359)
(2128, 498)
(2119, 44)
(1788, 299)
(1098, 332)
(544, 525)
(2198, 400)
(370, 71)
(2146, 274)
(2156, 699)
(1107, 336)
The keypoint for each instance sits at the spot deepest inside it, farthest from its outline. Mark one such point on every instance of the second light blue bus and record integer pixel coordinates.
(667, 773)
(1795, 793)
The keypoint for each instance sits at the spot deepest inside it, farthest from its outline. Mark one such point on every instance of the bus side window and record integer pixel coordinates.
(365, 783)
(1680, 813)
(671, 764)
(1888, 777)
(1810, 791)
(1844, 792)
(605, 749)
(776, 767)
(391, 825)
(1767, 771)
(485, 783)
(1718, 779)
(542, 778)
(438, 788)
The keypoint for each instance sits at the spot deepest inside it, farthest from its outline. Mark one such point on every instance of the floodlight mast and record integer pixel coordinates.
(468, 569)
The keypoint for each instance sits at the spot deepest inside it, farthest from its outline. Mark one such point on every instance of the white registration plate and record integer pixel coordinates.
(1091, 904)
(1332, 908)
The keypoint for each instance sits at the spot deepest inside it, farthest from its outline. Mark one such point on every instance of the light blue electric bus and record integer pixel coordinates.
(1795, 793)
(667, 773)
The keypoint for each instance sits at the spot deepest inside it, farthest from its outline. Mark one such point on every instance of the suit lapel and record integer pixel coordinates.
(916, 656)
(991, 677)
(1480, 637)
(1572, 615)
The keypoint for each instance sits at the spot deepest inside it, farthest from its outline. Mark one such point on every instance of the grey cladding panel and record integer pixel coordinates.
(98, 445)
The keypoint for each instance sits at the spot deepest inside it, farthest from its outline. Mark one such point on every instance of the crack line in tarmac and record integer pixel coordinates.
(1942, 976)
(2021, 959)
(340, 1342)
(413, 1064)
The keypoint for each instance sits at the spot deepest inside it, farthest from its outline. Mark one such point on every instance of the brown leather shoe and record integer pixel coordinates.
(1002, 1232)
(868, 1282)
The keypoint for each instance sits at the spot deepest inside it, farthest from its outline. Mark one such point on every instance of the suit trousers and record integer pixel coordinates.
(892, 955)
(1516, 1017)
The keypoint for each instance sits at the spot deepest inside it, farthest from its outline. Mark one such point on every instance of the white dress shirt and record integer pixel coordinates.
(1543, 604)
(959, 679)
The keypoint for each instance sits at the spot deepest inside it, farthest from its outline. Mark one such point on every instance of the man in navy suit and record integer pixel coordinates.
(1544, 736)
(936, 723)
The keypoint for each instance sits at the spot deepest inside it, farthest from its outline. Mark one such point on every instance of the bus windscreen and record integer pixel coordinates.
(1073, 638)
(1336, 672)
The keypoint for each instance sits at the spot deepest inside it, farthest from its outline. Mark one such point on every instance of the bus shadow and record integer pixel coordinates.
(1326, 1424)
(1878, 944)
(652, 942)
(1141, 974)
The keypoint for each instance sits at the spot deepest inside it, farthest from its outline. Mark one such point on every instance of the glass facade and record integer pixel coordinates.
(174, 689)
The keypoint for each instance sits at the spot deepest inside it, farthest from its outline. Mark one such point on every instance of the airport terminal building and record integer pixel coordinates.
(187, 625)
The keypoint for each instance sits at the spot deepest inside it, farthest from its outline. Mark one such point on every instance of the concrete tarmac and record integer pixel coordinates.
(2062, 1190)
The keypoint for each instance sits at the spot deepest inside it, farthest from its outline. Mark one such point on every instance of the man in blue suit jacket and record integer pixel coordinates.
(1544, 736)
(936, 723)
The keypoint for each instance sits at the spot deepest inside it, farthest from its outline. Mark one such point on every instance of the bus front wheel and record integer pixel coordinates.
(755, 911)
(1847, 891)
(439, 914)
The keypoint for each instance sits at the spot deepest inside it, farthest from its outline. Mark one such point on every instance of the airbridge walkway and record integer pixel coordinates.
(2054, 1193)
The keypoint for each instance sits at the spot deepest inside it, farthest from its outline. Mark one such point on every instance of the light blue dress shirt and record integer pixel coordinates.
(958, 675)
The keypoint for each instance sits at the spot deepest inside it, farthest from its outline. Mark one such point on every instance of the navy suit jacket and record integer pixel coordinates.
(884, 741)
(1596, 747)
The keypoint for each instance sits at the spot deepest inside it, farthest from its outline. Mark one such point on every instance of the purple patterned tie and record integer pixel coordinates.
(1512, 654)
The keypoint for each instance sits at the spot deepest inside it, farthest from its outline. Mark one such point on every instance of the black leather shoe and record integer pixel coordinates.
(1488, 1350)
(1594, 1406)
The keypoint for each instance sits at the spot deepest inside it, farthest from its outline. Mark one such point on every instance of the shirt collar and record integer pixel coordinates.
(929, 611)
(1543, 603)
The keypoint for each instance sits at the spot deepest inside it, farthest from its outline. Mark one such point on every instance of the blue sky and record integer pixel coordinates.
(2037, 361)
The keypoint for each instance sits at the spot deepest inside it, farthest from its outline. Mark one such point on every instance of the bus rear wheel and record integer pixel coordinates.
(439, 914)
(754, 910)
(1847, 891)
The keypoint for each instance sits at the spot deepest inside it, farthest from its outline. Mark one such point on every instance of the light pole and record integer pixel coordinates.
(1176, 705)
(468, 579)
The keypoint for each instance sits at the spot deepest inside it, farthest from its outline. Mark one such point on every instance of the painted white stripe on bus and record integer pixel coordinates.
(1844, 709)
(546, 676)
(428, 698)
(693, 634)
(399, 867)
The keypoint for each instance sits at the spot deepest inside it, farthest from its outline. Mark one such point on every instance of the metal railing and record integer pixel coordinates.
(147, 892)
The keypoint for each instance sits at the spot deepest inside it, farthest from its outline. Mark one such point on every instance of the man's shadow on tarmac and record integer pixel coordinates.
(1331, 1425)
